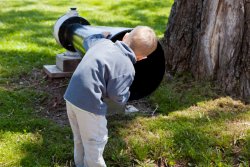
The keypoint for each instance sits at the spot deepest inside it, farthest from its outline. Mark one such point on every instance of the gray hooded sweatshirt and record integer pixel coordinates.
(106, 71)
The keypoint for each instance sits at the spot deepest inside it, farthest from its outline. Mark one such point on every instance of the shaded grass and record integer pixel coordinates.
(212, 133)
(182, 92)
(25, 44)
(194, 126)
(26, 139)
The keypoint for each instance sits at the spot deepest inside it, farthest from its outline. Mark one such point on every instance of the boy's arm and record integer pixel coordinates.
(118, 88)
(90, 40)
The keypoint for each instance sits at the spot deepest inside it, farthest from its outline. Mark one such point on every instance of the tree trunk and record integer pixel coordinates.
(211, 39)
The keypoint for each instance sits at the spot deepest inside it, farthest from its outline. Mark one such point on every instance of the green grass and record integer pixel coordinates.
(180, 93)
(26, 26)
(210, 133)
(26, 139)
(193, 126)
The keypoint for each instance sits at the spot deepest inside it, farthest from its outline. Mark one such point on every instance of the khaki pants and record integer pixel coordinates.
(90, 136)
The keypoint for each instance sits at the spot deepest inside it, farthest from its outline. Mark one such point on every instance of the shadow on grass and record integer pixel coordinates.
(17, 62)
(37, 141)
(136, 12)
(203, 136)
(198, 136)
(34, 41)
(22, 3)
(28, 26)
(209, 140)
(181, 92)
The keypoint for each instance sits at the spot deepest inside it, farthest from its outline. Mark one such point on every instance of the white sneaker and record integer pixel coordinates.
(130, 109)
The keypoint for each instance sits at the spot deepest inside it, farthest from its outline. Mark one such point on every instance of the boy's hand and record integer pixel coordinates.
(105, 34)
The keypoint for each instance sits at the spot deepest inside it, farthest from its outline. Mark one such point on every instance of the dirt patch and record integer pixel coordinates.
(52, 105)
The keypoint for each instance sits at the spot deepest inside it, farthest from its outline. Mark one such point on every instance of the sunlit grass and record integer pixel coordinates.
(213, 133)
(27, 26)
(26, 139)
(11, 146)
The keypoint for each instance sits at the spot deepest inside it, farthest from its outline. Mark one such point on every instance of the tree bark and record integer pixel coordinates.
(211, 39)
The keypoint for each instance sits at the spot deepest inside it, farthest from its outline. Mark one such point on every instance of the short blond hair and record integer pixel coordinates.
(142, 40)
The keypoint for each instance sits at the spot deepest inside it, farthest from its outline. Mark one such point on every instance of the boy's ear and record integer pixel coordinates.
(125, 36)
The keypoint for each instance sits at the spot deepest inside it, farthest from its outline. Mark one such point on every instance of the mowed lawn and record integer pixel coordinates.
(194, 124)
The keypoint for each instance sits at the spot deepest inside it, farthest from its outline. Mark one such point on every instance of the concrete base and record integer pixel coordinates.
(53, 72)
(67, 62)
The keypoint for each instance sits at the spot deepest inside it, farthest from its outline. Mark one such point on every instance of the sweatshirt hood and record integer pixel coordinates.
(126, 50)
